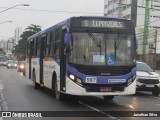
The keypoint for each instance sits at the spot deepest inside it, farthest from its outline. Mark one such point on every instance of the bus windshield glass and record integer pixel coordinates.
(106, 49)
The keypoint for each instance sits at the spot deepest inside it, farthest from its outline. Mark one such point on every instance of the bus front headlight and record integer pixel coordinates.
(75, 79)
(72, 77)
(78, 81)
(130, 80)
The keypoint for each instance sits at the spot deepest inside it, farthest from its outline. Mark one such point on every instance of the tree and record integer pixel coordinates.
(20, 49)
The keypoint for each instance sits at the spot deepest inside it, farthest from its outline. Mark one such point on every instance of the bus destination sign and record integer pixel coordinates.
(102, 24)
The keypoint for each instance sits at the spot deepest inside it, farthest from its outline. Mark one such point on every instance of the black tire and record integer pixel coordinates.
(35, 84)
(155, 92)
(108, 97)
(59, 96)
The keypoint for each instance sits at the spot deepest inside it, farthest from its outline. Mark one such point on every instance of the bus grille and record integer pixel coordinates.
(149, 81)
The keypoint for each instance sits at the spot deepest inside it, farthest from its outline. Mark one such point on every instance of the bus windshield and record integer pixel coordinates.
(106, 49)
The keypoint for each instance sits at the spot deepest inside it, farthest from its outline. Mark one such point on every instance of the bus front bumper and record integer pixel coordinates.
(74, 89)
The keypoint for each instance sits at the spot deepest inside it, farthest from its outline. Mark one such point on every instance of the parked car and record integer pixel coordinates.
(11, 64)
(2, 62)
(147, 79)
(21, 66)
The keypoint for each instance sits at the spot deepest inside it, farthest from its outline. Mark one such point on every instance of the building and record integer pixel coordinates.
(124, 8)
(7, 46)
(17, 34)
(127, 9)
(3, 44)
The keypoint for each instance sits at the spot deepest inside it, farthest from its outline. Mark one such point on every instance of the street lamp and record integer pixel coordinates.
(5, 22)
(14, 6)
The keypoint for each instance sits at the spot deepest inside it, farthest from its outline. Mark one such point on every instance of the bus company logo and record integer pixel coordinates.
(6, 114)
(116, 80)
(21, 114)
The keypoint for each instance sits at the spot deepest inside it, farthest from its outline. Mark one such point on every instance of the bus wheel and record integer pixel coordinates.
(59, 96)
(108, 97)
(35, 84)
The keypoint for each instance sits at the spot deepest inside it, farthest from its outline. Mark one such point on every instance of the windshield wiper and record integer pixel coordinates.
(94, 39)
(118, 41)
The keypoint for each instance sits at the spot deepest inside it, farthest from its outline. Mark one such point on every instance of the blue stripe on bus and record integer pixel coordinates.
(101, 79)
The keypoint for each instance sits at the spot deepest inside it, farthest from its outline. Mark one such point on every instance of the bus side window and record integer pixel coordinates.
(27, 50)
(57, 43)
(32, 48)
(53, 43)
(38, 46)
(45, 43)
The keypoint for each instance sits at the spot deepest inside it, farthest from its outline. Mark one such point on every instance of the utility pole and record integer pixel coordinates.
(134, 12)
(145, 35)
(155, 52)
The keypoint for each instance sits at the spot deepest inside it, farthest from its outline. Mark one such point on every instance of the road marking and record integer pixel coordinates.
(95, 109)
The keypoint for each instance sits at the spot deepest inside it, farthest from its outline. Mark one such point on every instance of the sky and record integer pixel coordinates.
(44, 13)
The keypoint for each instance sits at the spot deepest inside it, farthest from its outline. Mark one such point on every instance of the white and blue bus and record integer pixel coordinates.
(84, 56)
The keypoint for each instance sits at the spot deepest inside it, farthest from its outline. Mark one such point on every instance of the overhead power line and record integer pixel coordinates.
(54, 11)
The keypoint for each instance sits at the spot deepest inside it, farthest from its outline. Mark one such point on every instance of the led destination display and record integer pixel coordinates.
(102, 24)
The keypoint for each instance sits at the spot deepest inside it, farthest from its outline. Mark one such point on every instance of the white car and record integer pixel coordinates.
(147, 79)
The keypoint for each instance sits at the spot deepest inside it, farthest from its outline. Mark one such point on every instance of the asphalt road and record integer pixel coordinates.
(18, 94)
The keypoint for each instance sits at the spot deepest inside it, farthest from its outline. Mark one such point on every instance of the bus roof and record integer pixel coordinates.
(67, 22)
(48, 29)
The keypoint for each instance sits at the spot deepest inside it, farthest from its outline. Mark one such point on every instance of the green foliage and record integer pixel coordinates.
(20, 49)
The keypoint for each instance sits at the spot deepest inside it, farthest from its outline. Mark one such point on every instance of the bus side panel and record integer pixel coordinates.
(50, 66)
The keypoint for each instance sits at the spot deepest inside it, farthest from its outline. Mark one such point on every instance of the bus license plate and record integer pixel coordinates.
(149, 85)
(105, 89)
